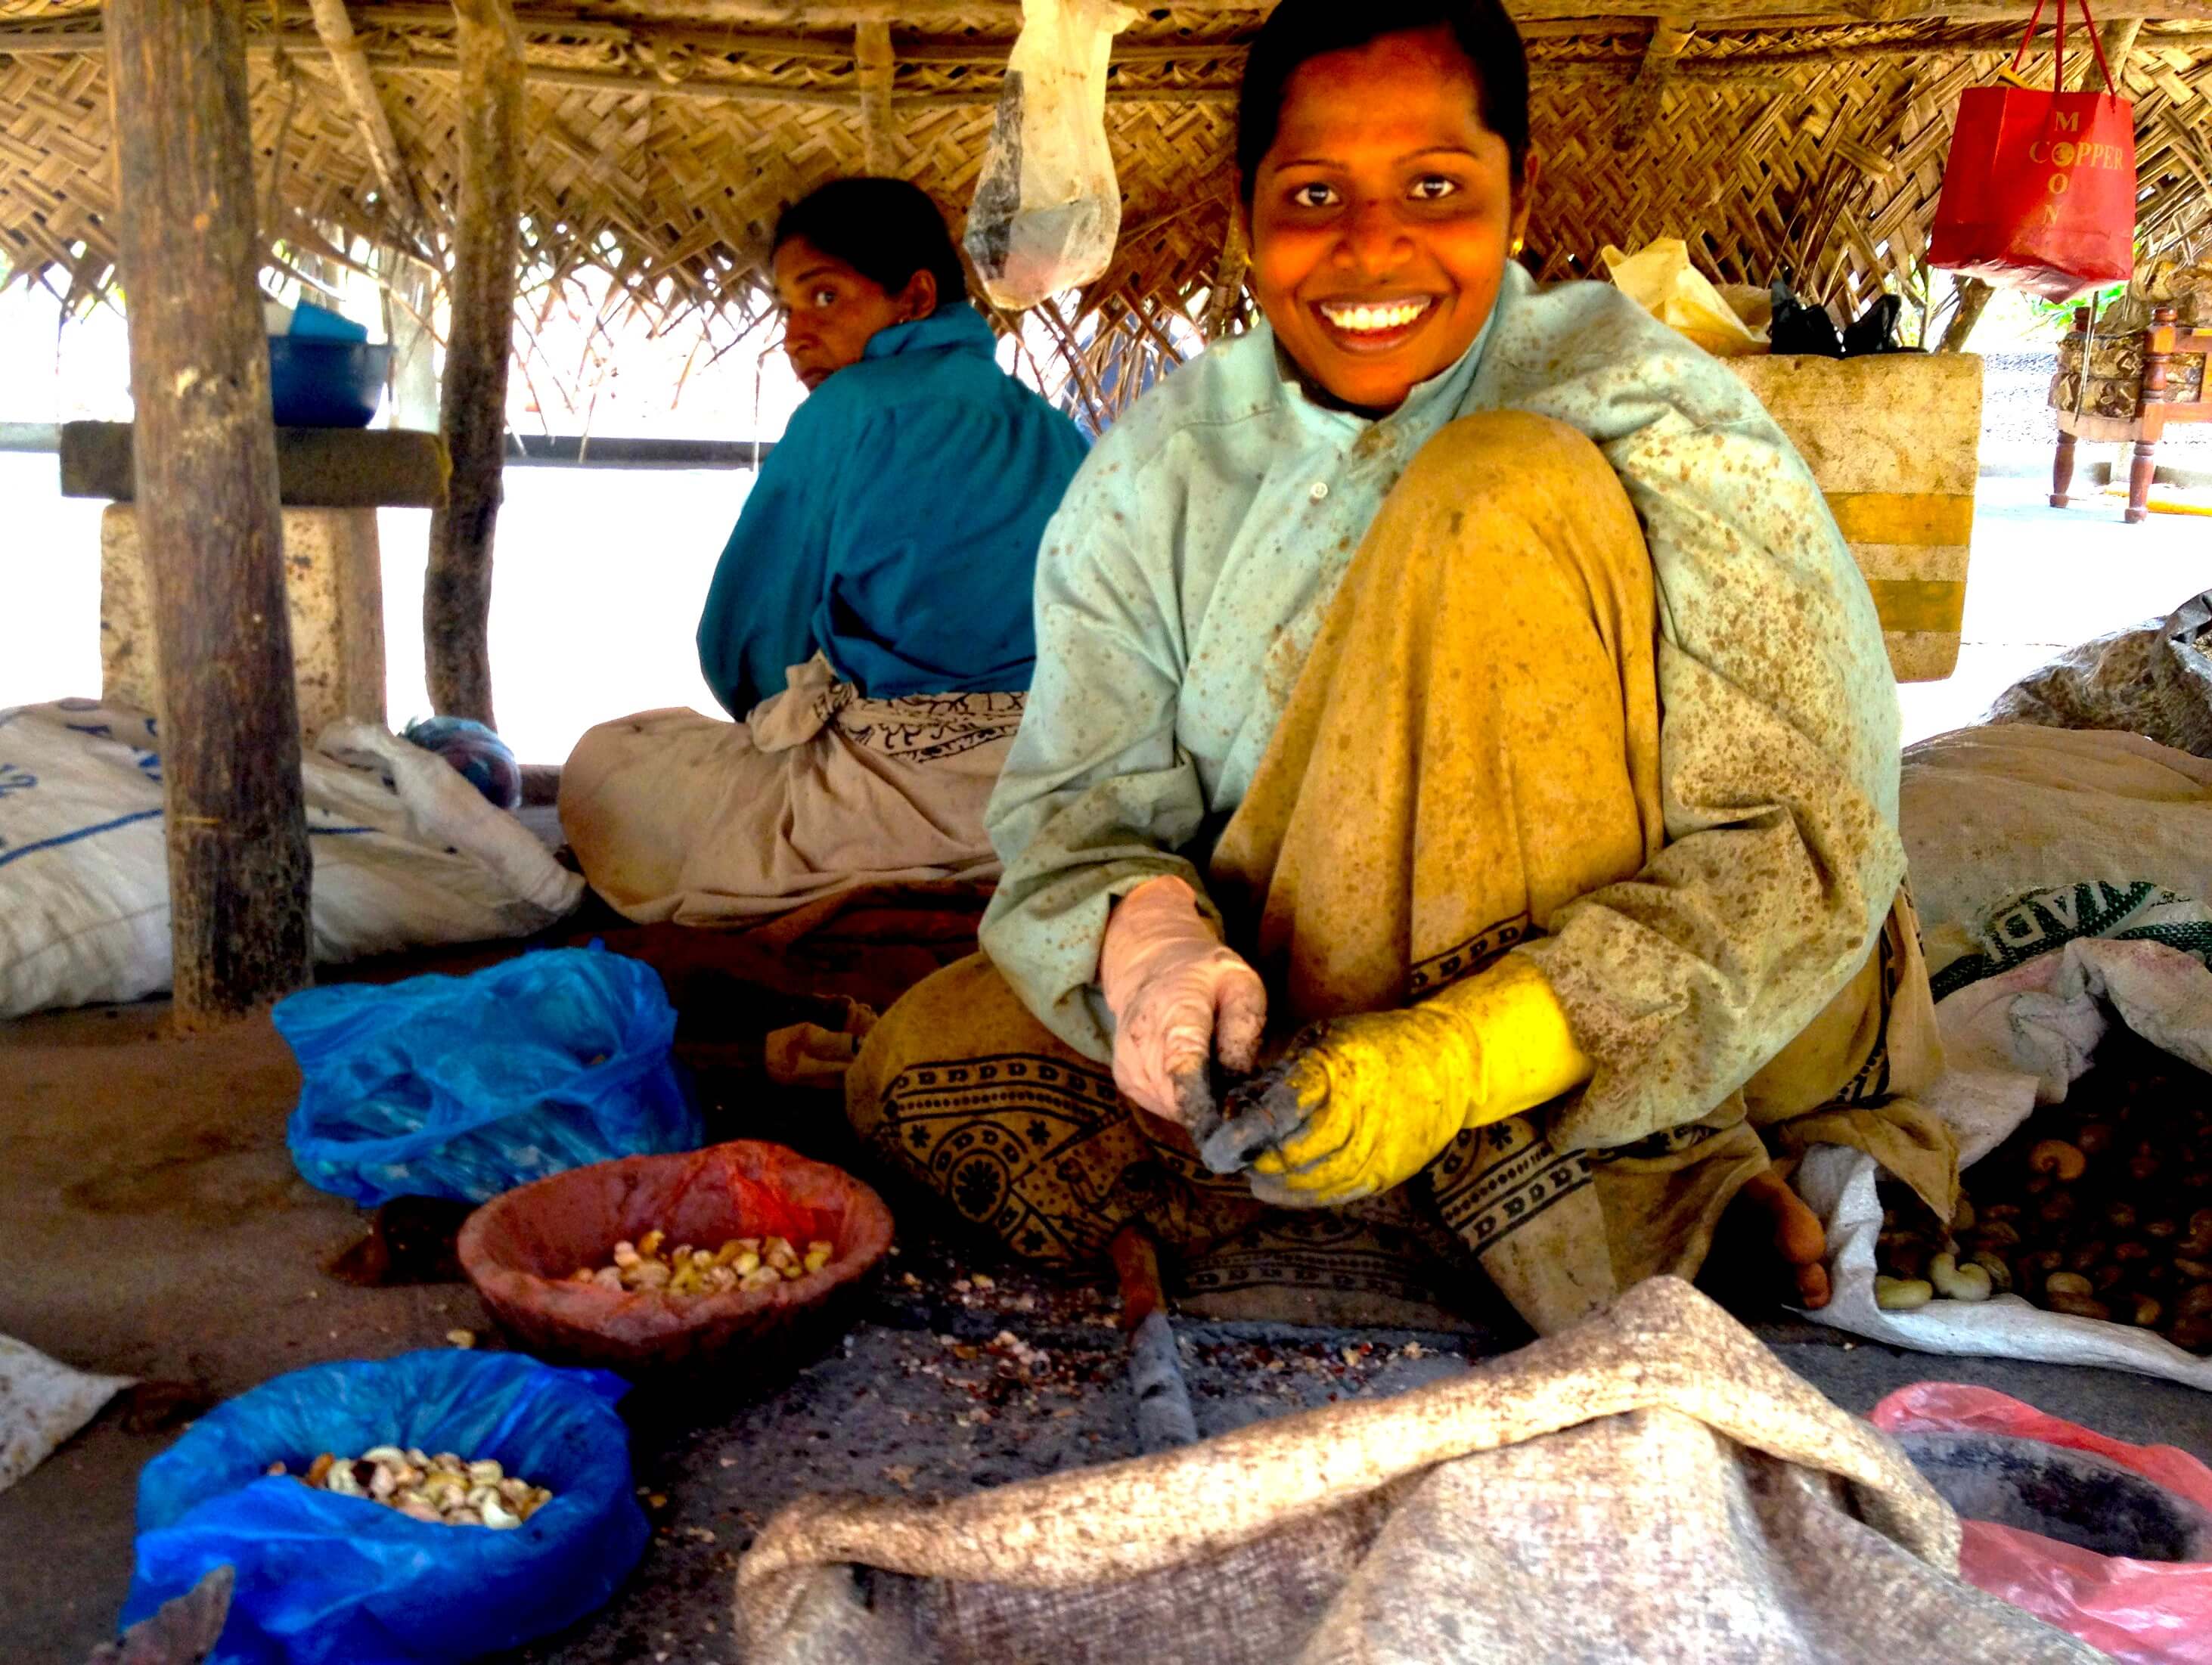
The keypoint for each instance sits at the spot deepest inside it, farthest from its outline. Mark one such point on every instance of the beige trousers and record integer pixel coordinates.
(674, 816)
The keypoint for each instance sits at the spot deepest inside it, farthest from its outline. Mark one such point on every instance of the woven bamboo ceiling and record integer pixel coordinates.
(663, 135)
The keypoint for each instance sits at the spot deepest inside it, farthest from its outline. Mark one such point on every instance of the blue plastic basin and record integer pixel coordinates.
(326, 384)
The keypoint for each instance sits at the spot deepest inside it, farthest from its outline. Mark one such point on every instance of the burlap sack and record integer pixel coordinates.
(2023, 839)
(1650, 1487)
(2154, 680)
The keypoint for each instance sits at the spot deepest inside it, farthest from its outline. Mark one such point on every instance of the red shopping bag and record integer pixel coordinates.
(2040, 191)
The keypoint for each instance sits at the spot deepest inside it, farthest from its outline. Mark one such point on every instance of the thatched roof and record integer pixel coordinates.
(663, 135)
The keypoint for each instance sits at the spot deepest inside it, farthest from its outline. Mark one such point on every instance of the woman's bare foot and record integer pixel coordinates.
(1794, 1230)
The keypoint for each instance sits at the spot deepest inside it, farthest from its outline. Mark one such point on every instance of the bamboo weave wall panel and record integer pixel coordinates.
(660, 146)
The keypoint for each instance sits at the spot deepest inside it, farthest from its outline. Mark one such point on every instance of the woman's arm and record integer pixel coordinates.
(1096, 793)
(1779, 759)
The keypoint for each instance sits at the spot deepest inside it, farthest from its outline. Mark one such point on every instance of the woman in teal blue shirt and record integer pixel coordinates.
(893, 529)
(870, 622)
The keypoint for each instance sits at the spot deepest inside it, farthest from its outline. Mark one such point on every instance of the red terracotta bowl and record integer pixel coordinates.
(520, 1251)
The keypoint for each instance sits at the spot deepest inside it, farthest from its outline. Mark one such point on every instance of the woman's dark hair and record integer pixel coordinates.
(885, 230)
(1302, 29)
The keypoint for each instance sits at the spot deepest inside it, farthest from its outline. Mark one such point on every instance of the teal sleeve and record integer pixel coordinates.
(760, 605)
(1096, 795)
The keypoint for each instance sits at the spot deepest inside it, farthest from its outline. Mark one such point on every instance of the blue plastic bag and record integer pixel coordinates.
(326, 1580)
(464, 1087)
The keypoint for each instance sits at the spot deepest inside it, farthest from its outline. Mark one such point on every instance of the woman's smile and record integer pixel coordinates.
(1381, 325)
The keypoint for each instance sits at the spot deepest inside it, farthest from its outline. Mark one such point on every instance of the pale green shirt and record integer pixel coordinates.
(1180, 586)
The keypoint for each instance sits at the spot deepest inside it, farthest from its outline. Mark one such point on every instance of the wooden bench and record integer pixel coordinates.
(330, 482)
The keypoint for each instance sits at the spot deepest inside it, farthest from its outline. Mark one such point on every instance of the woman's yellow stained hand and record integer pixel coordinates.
(1362, 1103)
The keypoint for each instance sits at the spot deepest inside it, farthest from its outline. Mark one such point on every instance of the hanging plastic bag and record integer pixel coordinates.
(464, 1087)
(2156, 1612)
(2039, 193)
(1660, 278)
(1048, 207)
(329, 1580)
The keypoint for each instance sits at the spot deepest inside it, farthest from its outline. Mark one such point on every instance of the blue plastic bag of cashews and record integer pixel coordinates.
(325, 1579)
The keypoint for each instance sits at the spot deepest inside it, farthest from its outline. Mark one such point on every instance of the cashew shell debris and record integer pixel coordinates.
(2099, 1207)
(440, 1490)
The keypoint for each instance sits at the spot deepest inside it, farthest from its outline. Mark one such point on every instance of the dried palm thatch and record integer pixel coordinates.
(664, 134)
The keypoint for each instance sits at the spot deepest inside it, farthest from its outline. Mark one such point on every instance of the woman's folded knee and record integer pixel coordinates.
(1512, 455)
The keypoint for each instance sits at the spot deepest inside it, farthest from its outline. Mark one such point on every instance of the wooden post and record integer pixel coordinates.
(2118, 38)
(1974, 298)
(473, 408)
(1639, 101)
(2150, 419)
(2062, 471)
(206, 482)
(876, 69)
(1226, 291)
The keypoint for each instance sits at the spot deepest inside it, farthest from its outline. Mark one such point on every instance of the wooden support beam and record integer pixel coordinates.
(473, 405)
(2119, 39)
(350, 65)
(1227, 288)
(875, 69)
(206, 483)
(1640, 103)
(1974, 298)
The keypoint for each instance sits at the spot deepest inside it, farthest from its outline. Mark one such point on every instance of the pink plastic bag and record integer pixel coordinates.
(2158, 1612)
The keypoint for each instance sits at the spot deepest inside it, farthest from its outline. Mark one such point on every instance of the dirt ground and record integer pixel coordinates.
(154, 1227)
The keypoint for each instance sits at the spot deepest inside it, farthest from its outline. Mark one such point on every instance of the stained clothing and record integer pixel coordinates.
(1189, 570)
(1473, 744)
(894, 528)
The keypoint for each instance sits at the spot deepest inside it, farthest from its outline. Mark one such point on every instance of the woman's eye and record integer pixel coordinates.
(825, 297)
(1315, 195)
(1433, 187)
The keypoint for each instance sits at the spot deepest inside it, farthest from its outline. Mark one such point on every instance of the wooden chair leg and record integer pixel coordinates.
(2062, 471)
(2139, 478)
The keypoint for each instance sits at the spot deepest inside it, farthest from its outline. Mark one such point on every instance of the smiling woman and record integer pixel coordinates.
(1471, 674)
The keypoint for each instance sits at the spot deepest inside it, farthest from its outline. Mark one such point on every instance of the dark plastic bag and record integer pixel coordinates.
(464, 1087)
(326, 1580)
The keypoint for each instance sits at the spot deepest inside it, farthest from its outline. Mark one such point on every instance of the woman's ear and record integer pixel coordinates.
(919, 298)
(1531, 166)
(1243, 211)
